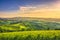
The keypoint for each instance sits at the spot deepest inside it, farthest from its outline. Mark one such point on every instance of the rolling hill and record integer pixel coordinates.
(28, 24)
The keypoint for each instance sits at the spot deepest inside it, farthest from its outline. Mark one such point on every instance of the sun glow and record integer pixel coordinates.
(41, 11)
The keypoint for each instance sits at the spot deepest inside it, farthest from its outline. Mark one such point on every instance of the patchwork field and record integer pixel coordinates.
(29, 30)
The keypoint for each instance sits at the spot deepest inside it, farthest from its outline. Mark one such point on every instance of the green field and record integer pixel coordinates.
(29, 30)
(27, 25)
(31, 35)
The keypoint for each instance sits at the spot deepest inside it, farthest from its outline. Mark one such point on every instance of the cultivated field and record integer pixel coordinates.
(11, 29)
(31, 35)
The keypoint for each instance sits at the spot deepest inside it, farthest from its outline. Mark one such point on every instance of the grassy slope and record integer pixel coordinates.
(31, 35)
(27, 25)
(14, 26)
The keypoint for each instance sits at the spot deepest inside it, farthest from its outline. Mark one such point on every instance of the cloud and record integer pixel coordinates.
(44, 10)
(26, 9)
(51, 10)
(55, 6)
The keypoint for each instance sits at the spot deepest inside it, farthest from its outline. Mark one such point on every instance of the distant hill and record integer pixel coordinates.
(31, 18)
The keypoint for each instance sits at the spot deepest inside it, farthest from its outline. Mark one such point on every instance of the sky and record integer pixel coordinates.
(30, 8)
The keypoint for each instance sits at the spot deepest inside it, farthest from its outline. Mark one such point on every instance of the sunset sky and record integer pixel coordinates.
(30, 8)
